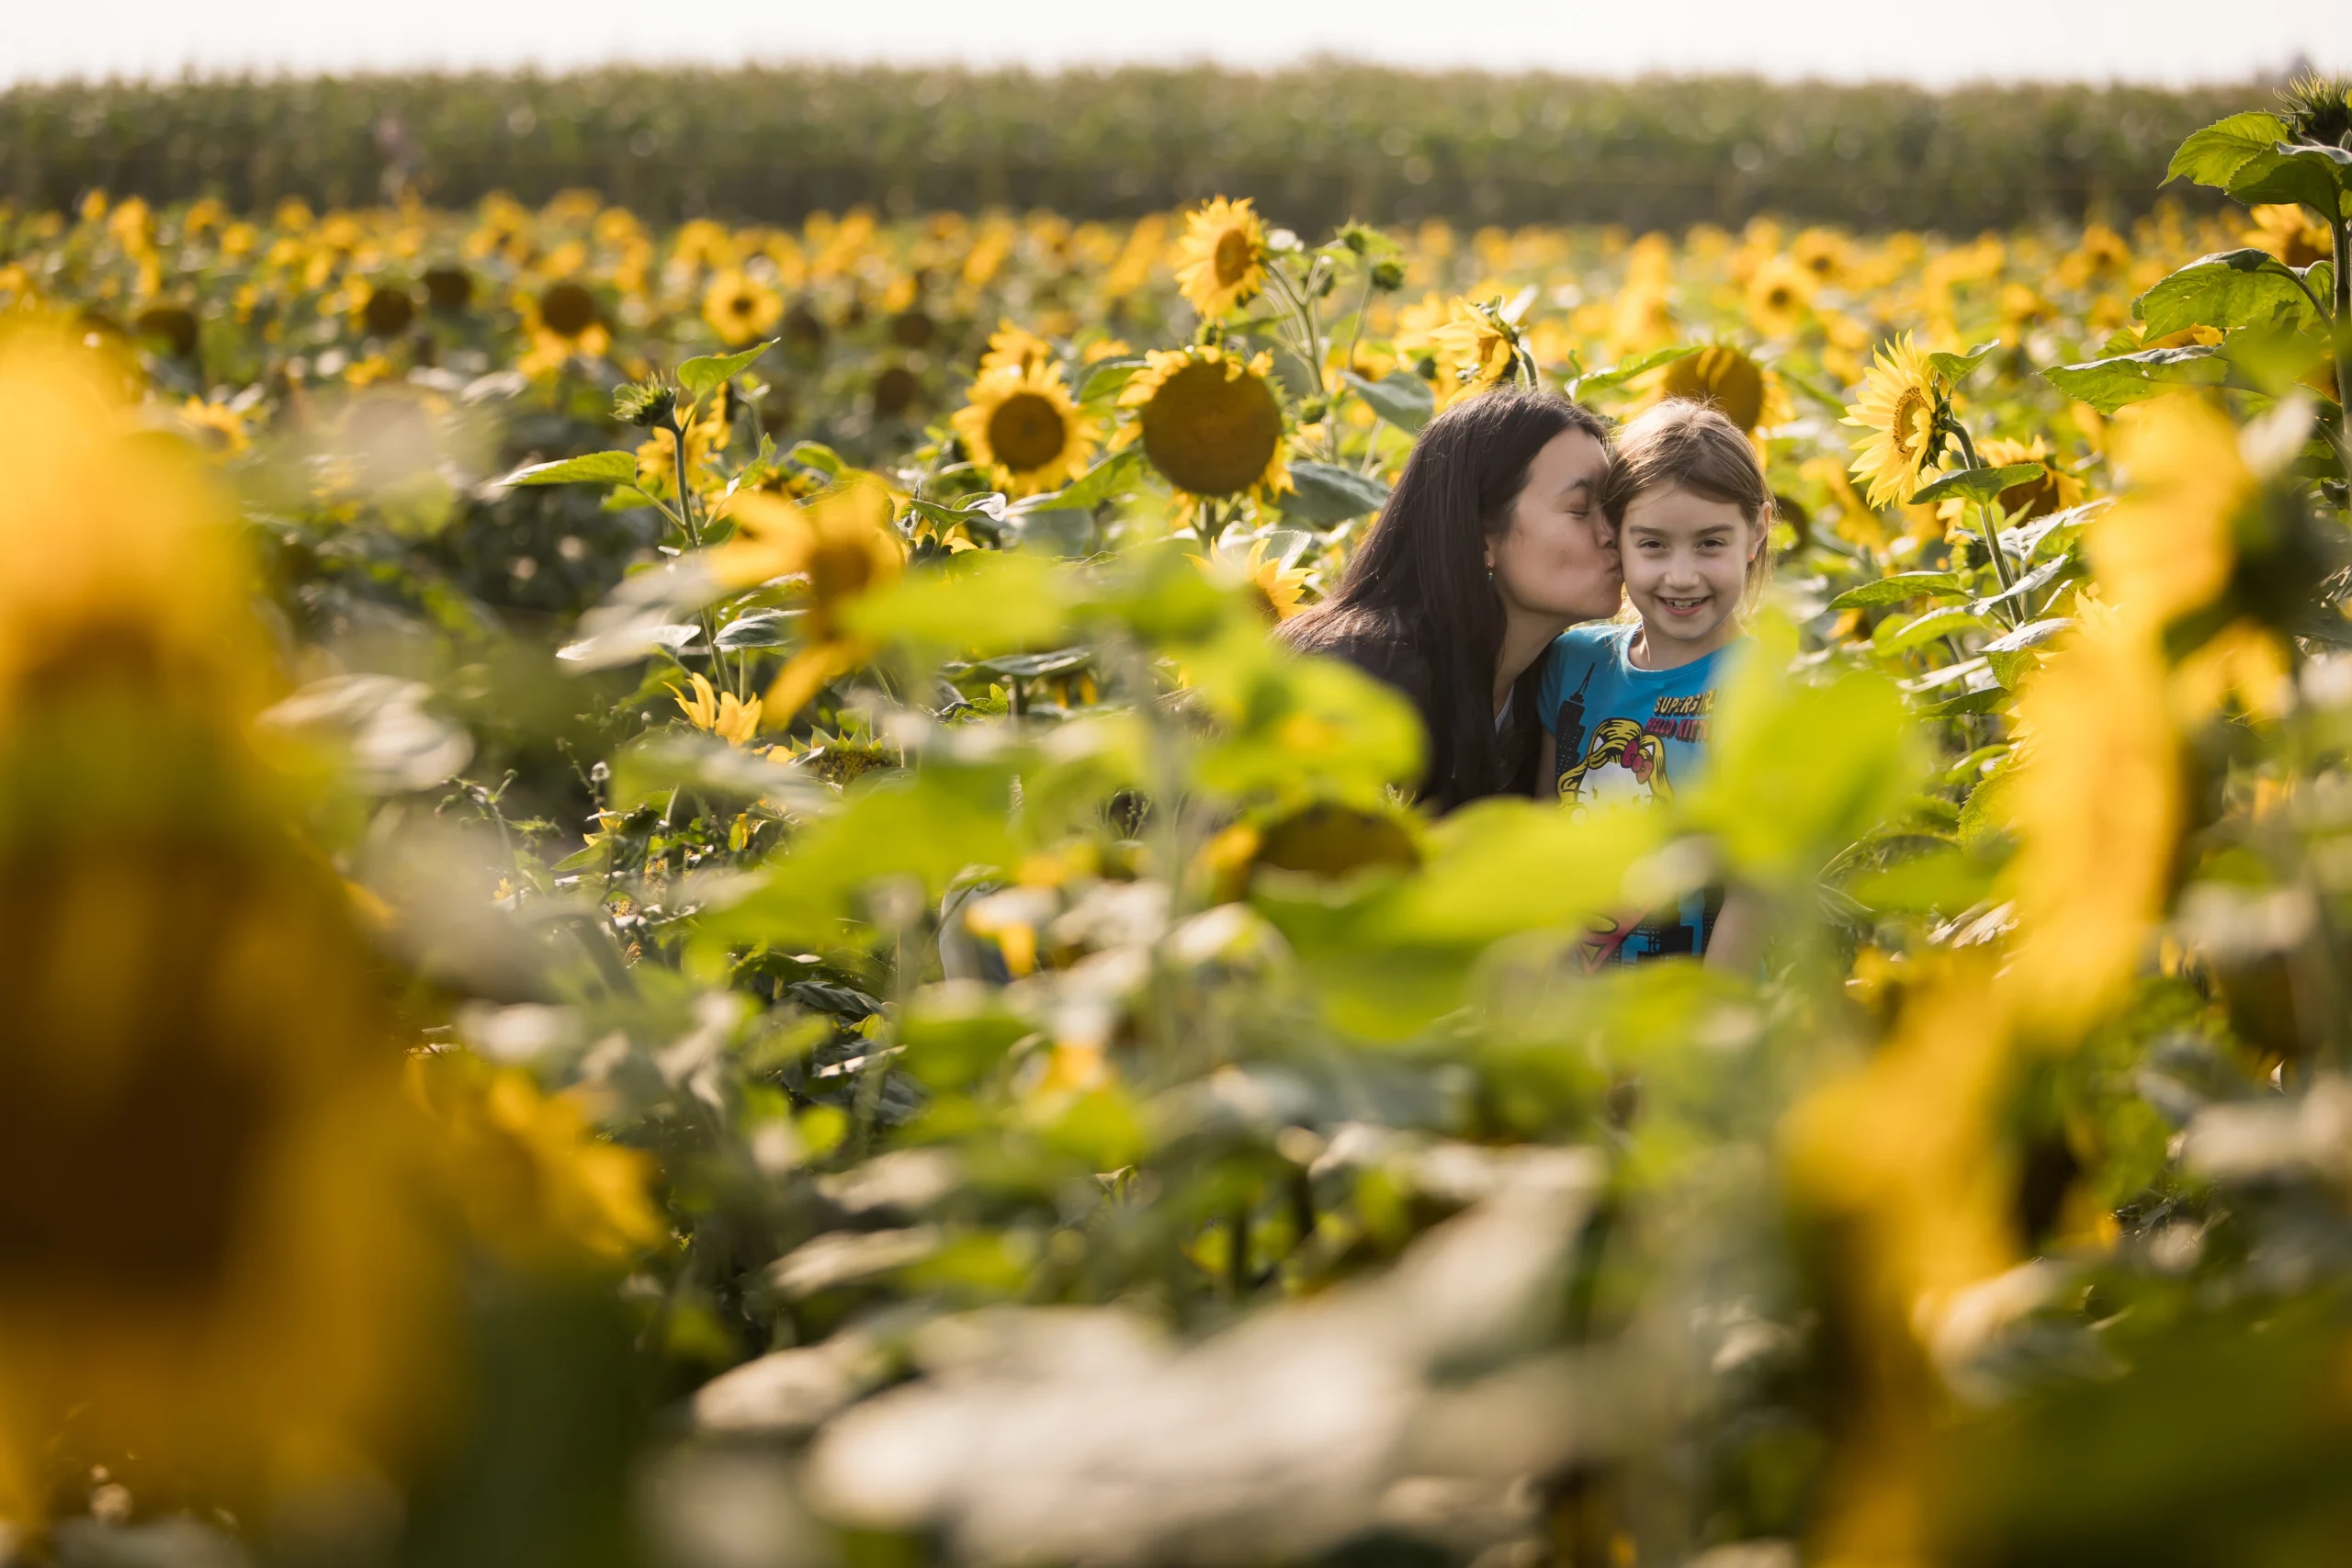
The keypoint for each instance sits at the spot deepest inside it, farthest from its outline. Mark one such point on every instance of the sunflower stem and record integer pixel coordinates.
(708, 616)
(2340, 330)
(1983, 512)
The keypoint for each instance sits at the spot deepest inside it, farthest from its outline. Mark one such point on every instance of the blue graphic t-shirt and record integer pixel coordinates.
(1627, 734)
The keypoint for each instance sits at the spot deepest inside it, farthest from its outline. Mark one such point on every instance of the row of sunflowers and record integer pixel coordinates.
(668, 905)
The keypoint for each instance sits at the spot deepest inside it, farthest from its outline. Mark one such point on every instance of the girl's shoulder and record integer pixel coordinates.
(1593, 640)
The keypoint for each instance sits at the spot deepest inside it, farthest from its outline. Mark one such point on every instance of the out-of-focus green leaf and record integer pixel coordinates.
(1952, 620)
(1106, 376)
(956, 1032)
(1298, 727)
(1324, 493)
(1115, 476)
(761, 629)
(1625, 370)
(704, 374)
(1900, 587)
(1833, 759)
(981, 601)
(595, 468)
(1402, 399)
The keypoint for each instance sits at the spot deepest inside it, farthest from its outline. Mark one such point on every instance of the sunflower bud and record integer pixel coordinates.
(645, 403)
(1388, 276)
(2318, 110)
(1312, 411)
(1359, 237)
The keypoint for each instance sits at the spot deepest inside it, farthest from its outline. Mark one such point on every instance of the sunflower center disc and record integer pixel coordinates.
(1026, 432)
(1908, 429)
(1210, 436)
(568, 309)
(1232, 257)
(1725, 377)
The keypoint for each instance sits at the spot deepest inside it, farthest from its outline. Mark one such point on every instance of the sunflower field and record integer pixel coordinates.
(666, 904)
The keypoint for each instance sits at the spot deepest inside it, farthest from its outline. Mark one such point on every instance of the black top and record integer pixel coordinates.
(1387, 652)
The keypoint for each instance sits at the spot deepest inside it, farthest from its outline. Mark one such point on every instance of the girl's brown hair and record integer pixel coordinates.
(1682, 444)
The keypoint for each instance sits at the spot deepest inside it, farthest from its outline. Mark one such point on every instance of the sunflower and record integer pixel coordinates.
(1779, 295)
(722, 714)
(1729, 381)
(840, 546)
(1280, 589)
(657, 456)
(2289, 232)
(1014, 348)
(212, 1278)
(739, 308)
(563, 322)
(1221, 260)
(1826, 256)
(1210, 423)
(1902, 398)
(2054, 491)
(1024, 426)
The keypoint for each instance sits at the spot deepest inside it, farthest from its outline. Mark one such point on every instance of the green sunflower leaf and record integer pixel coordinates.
(2227, 290)
(2109, 384)
(2305, 173)
(1106, 376)
(1903, 585)
(1957, 368)
(1894, 636)
(1327, 494)
(1979, 485)
(1404, 400)
(1625, 370)
(2214, 156)
(594, 468)
(707, 373)
(1114, 477)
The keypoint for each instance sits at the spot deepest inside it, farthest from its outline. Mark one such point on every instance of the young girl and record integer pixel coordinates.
(1625, 706)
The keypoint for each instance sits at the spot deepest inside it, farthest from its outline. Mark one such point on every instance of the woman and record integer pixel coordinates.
(1493, 545)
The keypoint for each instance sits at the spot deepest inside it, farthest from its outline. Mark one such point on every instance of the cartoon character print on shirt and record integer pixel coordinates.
(1624, 761)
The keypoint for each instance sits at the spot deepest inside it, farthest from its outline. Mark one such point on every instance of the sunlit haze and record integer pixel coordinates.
(2143, 40)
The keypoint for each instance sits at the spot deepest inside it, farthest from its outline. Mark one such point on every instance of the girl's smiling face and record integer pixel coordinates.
(1686, 561)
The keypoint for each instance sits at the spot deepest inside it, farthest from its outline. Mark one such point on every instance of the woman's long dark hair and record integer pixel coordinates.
(1421, 574)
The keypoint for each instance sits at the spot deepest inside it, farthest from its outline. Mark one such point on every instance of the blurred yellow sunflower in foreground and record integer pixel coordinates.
(1024, 428)
(739, 308)
(840, 547)
(1221, 260)
(536, 1184)
(1209, 421)
(212, 1277)
(722, 714)
(1902, 396)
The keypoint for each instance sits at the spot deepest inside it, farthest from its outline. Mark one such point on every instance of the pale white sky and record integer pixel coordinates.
(2147, 40)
